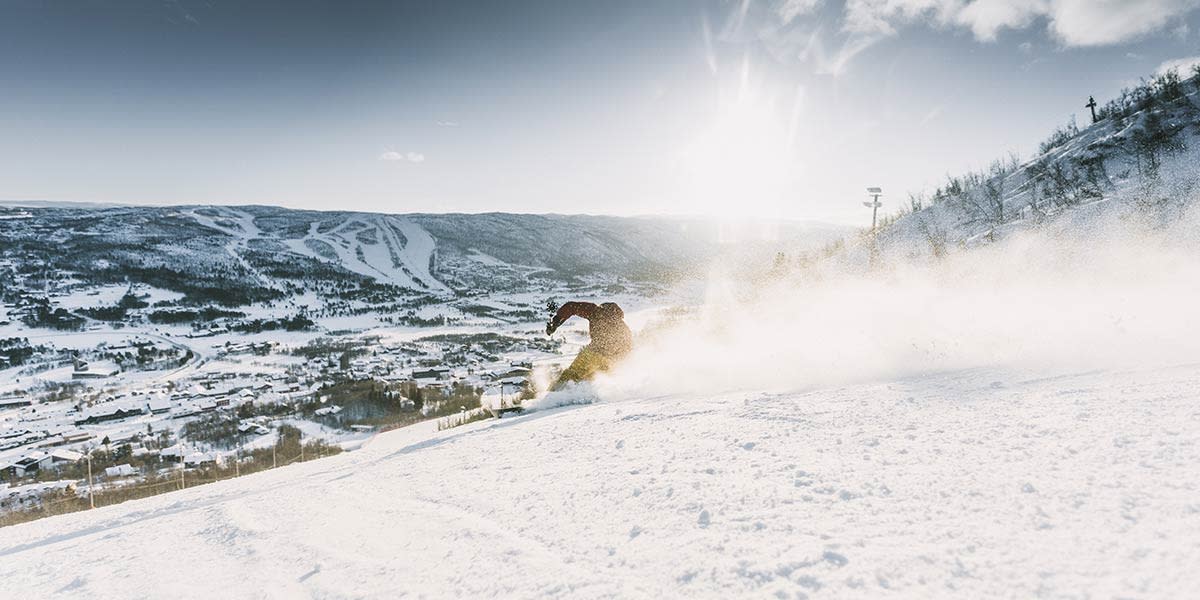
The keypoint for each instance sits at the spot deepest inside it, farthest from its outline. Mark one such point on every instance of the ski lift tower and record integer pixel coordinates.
(873, 193)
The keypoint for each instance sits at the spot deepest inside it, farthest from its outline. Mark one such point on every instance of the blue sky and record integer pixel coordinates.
(736, 108)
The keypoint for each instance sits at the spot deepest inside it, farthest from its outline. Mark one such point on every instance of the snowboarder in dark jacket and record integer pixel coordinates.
(611, 339)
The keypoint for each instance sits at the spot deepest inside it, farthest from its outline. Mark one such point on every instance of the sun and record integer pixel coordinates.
(741, 163)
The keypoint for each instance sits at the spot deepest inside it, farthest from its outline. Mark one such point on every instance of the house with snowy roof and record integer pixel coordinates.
(31, 463)
(84, 370)
(328, 411)
(196, 459)
(66, 437)
(64, 456)
(252, 428)
(14, 402)
(172, 453)
(434, 374)
(158, 405)
(109, 413)
(124, 470)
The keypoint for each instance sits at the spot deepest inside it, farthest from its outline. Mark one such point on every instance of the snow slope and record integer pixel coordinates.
(387, 248)
(1096, 173)
(969, 483)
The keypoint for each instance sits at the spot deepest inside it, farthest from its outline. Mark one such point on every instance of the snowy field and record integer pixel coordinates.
(965, 483)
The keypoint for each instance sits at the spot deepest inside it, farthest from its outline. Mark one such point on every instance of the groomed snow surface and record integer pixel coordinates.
(961, 484)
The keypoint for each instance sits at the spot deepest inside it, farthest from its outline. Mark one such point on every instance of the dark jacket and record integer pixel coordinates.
(606, 326)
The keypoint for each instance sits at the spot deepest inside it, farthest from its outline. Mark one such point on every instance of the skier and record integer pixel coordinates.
(611, 339)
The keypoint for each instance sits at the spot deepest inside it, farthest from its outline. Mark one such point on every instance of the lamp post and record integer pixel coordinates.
(91, 483)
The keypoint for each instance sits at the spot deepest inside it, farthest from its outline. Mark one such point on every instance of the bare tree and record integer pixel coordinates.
(934, 236)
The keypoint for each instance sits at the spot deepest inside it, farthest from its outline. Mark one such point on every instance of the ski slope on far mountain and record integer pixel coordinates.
(994, 482)
(389, 249)
(386, 248)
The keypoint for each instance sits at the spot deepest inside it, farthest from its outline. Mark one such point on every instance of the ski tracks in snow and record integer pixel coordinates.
(239, 236)
(392, 249)
(403, 253)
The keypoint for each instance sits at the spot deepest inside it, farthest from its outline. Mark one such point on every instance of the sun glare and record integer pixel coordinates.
(740, 164)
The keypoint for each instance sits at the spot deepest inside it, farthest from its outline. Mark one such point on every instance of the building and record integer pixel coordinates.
(124, 470)
(67, 437)
(14, 402)
(158, 406)
(328, 411)
(252, 428)
(173, 453)
(102, 371)
(437, 373)
(111, 413)
(197, 459)
(31, 463)
(63, 456)
(513, 372)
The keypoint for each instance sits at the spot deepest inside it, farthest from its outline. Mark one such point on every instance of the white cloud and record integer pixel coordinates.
(790, 9)
(1103, 22)
(1072, 22)
(393, 156)
(1184, 66)
(879, 17)
(986, 18)
(791, 29)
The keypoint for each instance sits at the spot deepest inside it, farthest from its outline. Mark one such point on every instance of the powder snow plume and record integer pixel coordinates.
(1107, 295)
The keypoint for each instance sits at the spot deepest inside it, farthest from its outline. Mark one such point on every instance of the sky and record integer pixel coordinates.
(746, 108)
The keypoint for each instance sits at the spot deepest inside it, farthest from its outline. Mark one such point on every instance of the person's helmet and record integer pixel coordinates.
(612, 310)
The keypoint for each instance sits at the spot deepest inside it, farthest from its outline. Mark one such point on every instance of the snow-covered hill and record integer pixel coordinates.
(1137, 162)
(261, 253)
(975, 483)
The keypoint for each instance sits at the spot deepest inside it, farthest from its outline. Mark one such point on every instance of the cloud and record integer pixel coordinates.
(1090, 23)
(986, 18)
(393, 156)
(790, 9)
(447, 123)
(1183, 66)
(1071, 22)
(828, 41)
